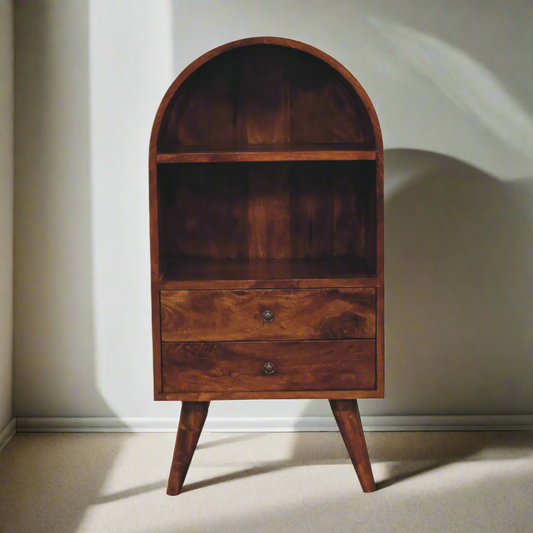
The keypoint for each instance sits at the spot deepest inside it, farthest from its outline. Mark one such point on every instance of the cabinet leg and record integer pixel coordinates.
(346, 414)
(193, 415)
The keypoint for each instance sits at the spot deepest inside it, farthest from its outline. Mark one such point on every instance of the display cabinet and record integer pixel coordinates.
(266, 206)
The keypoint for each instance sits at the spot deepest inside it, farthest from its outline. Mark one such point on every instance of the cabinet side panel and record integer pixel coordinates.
(380, 341)
(156, 342)
(155, 268)
(380, 291)
(380, 226)
(154, 216)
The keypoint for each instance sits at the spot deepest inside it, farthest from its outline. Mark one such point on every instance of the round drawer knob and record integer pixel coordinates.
(268, 316)
(269, 368)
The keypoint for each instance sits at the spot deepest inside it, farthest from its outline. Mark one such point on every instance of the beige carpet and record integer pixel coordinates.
(285, 482)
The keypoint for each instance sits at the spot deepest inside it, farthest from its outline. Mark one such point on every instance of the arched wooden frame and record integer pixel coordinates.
(185, 146)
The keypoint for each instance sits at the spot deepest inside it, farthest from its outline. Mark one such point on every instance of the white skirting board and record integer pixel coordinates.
(7, 433)
(271, 424)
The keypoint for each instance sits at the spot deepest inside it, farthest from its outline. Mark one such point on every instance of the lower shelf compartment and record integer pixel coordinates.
(189, 273)
(268, 366)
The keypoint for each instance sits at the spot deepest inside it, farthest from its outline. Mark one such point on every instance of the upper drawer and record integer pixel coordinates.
(275, 314)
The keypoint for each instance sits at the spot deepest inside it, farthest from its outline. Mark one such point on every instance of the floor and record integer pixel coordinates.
(277, 482)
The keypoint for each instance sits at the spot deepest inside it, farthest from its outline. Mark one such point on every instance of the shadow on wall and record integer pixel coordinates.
(459, 290)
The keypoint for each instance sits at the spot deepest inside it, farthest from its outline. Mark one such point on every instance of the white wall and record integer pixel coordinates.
(54, 294)
(452, 86)
(6, 210)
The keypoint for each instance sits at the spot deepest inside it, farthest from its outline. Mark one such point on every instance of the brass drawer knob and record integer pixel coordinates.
(269, 368)
(268, 316)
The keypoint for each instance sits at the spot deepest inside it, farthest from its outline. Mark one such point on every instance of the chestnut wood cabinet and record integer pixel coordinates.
(266, 227)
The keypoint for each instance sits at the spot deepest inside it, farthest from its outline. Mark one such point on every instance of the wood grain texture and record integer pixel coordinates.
(207, 214)
(268, 395)
(161, 120)
(346, 414)
(311, 195)
(258, 153)
(266, 94)
(239, 366)
(267, 274)
(156, 341)
(192, 419)
(298, 314)
(380, 271)
(269, 219)
(352, 212)
(266, 172)
(297, 210)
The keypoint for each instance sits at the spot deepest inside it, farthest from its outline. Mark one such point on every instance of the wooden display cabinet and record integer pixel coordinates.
(266, 206)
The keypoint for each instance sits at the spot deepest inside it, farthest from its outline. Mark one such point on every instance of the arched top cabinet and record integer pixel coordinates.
(266, 229)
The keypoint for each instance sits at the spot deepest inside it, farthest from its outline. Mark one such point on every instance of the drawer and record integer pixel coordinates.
(275, 314)
(296, 366)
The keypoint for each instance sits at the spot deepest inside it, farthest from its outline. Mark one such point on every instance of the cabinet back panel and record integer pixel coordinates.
(287, 210)
(265, 94)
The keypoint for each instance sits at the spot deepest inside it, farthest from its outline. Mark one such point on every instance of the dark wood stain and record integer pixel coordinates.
(269, 210)
(266, 192)
(266, 94)
(192, 419)
(299, 366)
(298, 314)
(346, 414)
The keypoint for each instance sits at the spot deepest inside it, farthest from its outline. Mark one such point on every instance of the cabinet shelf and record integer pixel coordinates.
(263, 273)
(268, 152)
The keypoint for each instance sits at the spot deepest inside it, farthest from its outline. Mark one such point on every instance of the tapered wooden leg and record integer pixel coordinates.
(193, 415)
(346, 414)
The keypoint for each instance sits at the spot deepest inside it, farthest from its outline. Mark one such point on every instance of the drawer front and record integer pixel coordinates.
(269, 366)
(231, 315)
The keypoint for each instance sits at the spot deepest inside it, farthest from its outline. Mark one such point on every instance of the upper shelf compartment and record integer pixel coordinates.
(265, 102)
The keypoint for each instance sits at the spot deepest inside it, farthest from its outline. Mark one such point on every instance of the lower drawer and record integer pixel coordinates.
(269, 366)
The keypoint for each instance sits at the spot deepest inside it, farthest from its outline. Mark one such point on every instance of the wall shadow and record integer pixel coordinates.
(458, 289)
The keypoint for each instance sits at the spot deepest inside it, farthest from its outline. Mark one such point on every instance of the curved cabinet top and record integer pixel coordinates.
(265, 91)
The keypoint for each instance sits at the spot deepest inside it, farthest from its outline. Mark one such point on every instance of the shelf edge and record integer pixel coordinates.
(308, 155)
(336, 283)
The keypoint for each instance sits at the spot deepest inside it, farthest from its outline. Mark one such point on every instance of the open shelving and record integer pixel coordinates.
(266, 164)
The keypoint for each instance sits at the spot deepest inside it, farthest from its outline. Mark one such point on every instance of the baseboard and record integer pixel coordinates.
(271, 424)
(8, 433)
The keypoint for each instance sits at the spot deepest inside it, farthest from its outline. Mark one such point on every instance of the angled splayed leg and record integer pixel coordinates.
(346, 414)
(193, 415)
